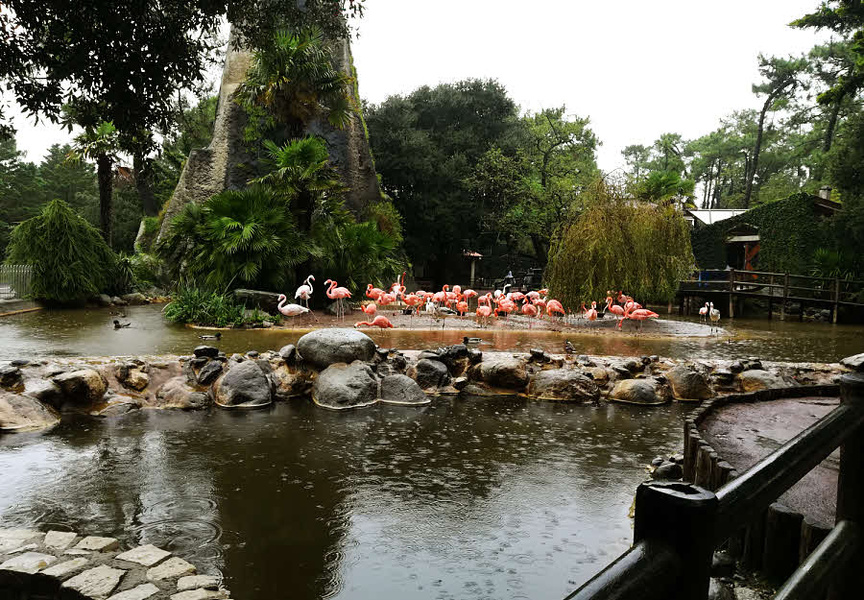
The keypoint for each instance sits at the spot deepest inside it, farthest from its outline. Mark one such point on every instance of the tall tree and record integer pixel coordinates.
(781, 76)
(100, 144)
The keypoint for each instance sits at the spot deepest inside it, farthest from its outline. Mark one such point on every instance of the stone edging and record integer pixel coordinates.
(67, 566)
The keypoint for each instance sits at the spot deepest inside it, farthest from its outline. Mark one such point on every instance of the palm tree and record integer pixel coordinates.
(302, 171)
(295, 79)
(101, 145)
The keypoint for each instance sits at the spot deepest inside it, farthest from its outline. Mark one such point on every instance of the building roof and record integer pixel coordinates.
(714, 215)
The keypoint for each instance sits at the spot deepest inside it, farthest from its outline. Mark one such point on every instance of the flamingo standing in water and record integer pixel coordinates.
(703, 312)
(484, 311)
(373, 292)
(379, 321)
(338, 294)
(292, 310)
(637, 314)
(554, 306)
(462, 307)
(530, 311)
(714, 315)
(589, 313)
(370, 309)
(304, 292)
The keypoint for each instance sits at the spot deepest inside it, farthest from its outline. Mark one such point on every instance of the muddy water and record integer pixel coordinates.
(498, 499)
(90, 333)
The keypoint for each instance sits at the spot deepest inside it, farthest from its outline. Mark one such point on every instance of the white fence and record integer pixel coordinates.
(15, 281)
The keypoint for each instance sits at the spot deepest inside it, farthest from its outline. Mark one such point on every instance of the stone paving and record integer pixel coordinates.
(67, 566)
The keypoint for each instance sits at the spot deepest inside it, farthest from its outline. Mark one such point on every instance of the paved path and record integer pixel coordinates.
(745, 433)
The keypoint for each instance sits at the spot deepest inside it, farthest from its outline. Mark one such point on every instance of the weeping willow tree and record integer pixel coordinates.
(617, 243)
(70, 260)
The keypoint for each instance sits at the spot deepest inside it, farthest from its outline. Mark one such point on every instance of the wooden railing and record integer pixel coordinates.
(15, 281)
(776, 287)
(678, 525)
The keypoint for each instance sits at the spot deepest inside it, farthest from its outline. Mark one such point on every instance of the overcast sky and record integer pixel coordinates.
(636, 68)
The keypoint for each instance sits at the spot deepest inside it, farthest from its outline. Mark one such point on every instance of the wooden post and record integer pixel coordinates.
(836, 300)
(684, 517)
(732, 293)
(782, 542)
(785, 295)
(850, 488)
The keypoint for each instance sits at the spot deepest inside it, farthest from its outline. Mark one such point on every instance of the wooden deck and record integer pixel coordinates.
(728, 288)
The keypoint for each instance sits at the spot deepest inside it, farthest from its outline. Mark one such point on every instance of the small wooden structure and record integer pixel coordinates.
(727, 288)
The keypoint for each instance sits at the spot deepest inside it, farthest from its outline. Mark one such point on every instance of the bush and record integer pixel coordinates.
(619, 244)
(192, 305)
(70, 260)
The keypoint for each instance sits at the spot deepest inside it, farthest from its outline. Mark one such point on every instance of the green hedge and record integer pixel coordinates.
(789, 232)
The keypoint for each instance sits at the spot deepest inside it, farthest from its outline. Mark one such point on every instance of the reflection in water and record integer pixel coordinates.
(89, 333)
(465, 498)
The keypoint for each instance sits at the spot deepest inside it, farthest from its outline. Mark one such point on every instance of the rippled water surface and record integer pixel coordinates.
(90, 333)
(473, 498)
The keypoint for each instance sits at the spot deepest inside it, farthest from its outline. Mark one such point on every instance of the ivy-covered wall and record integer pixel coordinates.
(790, 231)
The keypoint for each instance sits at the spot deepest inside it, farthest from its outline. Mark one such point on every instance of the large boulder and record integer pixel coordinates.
(135, 298)
(209, 372)
(244, 386)
(266, 301)
(10, 376)
(688, 383)
(45, 391)
(758, 379)
(568, 385)
(856, 362)
(289, 382)
(325, 347)
(639, 391)
(22, 413)
(401, 389)
(501, 371)
(429, 373)
(176, 393)
(86, 386)
(345, 386)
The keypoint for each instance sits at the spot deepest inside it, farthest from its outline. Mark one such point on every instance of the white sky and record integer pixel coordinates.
(636, 68)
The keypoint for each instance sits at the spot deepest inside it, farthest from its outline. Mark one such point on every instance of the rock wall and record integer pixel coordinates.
(225, 163)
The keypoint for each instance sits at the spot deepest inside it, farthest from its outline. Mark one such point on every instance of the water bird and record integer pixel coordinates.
(442, 312)
(379, 321)
(292, 310)
(553, 307)
(370, 309)
(304, 292)
(339, 294)
(703, 312)
(119, 325)
(714, 314)
(474, 341)
(216, 336)
(568, 347)
(615, 309)
(637, 314)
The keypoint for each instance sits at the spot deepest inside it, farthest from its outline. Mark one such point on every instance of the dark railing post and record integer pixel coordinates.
(682, 516)
(731, 293)
(850, 487)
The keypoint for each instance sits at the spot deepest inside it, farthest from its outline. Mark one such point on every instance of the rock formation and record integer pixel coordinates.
(226, 164)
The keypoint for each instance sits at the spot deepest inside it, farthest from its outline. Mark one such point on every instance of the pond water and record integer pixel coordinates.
(498, 499)
(90, 333)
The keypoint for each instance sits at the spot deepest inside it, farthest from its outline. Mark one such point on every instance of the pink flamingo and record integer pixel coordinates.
(540, 304)
(530, 311)
(553, 307)
(398, 287)
(338, 294)
(385, 299)
(304, 292)
(637, 314)
(441, 297)
(484, 311)
(462, 308)
(370, 309)
(589, 313)
(373, 292)
(292, 310)
(485, 300)
(468, 294)
(379, 321)
(613, 308)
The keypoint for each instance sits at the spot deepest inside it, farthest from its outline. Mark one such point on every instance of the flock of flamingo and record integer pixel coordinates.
(456, 302)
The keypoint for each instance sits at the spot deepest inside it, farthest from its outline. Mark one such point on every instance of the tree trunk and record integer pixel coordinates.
(106, 205)
(754, 163)
(539, 248)
(144, 185)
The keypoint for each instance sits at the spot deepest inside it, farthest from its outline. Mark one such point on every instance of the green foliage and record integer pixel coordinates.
(237, 238)
(70, 260)
(831, 264)
(663, 186)
(192, 305)
(619, 244)
(148, 271)
(293, 79)
(788, 236)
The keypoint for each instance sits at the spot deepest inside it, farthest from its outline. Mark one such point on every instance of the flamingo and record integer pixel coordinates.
(484, 311)
(530, 311)
(370, 309)
(553, 306)
(468, 294)
(485, 300)
(373, 292)
(589, 313)
(339, 294)
(304, 292)
(703, 312)
(637, 314)
(398, 287)
(379, 321)
(614, 308)
(462, 308)
(385, 299)
(292, 310)
(714, 314)
(441, 297)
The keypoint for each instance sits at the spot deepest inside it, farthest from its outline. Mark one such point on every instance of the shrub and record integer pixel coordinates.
(71, 262)
(193, 305)
(617, 243)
